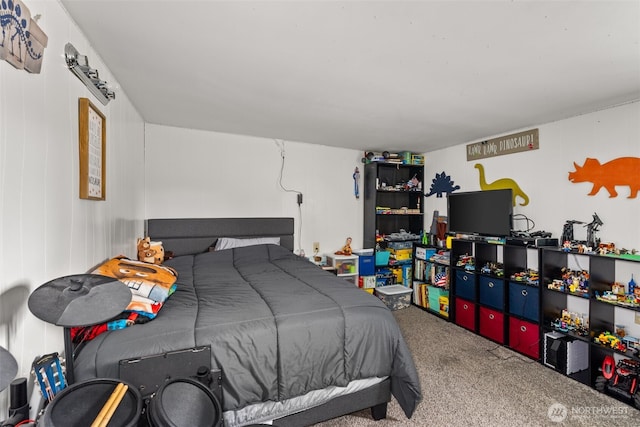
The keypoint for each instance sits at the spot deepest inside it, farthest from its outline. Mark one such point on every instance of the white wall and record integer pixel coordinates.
(543, 174)
(214, 174)
(208, 174)
(46, 230)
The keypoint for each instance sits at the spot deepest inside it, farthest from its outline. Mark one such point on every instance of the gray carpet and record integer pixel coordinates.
(468, 380)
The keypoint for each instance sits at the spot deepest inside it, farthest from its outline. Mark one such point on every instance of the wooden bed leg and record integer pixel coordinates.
(379, 412)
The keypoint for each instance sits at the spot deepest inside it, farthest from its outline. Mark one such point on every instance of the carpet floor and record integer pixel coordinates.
(470, 381)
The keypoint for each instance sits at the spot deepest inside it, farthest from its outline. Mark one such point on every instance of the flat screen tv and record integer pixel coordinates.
(487, 213)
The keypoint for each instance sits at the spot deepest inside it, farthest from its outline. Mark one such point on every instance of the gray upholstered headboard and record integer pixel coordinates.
(184, 236)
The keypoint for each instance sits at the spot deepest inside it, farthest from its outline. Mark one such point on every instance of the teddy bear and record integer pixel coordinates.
(151, 252)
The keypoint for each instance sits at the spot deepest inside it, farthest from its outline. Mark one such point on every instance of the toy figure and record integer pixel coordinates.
(346, 249)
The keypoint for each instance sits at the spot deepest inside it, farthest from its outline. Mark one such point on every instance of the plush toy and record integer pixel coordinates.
(151, 252)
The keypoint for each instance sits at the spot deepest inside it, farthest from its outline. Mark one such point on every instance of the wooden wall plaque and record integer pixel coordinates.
(93, 144)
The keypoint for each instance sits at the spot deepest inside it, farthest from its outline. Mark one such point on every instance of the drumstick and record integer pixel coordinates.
(114, 406)
(107, 405)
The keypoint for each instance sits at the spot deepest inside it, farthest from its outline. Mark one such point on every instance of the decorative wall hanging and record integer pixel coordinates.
(441, 184)
(621, 171)
(502, 183)
(356, 183)
(22, 41)
(509, 144)
(93, 144)
(79, 65)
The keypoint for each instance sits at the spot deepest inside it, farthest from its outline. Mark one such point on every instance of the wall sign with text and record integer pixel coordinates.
(93, 145)
(508, 144)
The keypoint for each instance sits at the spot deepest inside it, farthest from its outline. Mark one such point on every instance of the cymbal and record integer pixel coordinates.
(79, 300)
(8, 368)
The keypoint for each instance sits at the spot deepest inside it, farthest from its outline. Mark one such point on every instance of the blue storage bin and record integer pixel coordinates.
(465, 285)
(524, 301)
(366, 265)
(382, 258)
(491, 292)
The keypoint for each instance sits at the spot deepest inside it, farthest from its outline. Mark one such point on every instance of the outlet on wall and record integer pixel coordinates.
(316, 247)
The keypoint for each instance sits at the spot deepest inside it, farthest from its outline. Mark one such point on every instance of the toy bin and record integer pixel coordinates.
(465, 285)
(382, 258)
(491, 324)
(395, 297)
(491, 292)
(344, 264)
(524, 301)
(366, 265)
(465, 314)
(524, 337)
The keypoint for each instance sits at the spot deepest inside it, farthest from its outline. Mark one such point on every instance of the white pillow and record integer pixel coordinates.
(229, 242)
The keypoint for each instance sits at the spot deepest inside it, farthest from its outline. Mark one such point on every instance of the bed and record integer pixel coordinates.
(296, 344)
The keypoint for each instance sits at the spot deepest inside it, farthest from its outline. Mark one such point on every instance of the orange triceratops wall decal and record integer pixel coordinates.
(620, 171)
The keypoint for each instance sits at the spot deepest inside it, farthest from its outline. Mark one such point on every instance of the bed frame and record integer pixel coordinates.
(184, 236)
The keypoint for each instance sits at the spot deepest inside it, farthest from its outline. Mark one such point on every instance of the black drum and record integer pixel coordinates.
(184, 402)
(79, 404)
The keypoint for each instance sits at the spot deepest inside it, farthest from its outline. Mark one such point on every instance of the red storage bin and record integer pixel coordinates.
(465, 314)
(491, 324)
(524, 337)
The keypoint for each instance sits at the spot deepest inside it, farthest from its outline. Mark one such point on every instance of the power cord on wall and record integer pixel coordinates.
(530, 224)
(280, 145)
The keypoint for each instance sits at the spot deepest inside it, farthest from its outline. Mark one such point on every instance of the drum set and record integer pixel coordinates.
(85, 300)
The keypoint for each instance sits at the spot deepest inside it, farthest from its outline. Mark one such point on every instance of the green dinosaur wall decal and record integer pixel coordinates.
(502, 183)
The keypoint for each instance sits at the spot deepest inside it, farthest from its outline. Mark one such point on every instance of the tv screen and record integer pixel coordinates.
(487, 213)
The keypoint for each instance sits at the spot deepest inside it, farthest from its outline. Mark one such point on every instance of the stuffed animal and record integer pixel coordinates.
(151, 252)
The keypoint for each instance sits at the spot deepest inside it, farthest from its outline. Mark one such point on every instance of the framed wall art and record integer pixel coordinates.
(93, 144)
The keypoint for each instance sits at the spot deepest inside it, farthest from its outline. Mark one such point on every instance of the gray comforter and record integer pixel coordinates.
(278, 327)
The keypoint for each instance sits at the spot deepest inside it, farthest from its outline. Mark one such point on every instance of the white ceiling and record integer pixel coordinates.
(386, 75)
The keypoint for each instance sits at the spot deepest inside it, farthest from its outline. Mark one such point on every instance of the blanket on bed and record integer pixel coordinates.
(278, 327)
(150, 286)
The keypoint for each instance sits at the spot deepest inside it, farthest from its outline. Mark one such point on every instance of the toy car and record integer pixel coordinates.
(620, 379)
